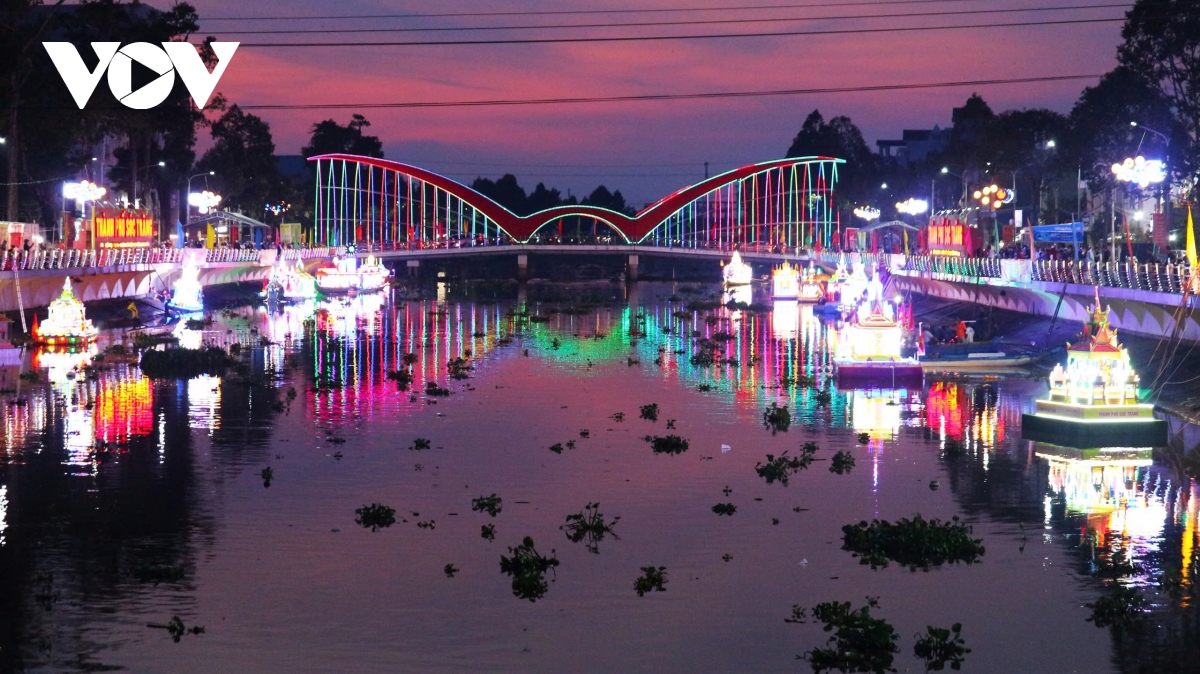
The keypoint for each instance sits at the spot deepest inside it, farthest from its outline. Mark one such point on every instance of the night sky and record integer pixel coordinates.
(646, 149)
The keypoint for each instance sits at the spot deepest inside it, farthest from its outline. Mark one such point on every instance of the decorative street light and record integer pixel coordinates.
(995, 196)
(867, 213)
(1135, 171)
(912, 206)
(1140, 171)
(204, 201)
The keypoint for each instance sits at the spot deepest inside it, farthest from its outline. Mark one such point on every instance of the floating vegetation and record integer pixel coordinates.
(555, 343)
(570, 444)
(488, 532)
(724, 509)
(704, 388)
(432, 389)
(557, 448)
(420, 444)
(860, 642)
(431, 524)
(268, 474)
(723, 336)
(707, 353)
(915, 543)
(782, 467)
(864, 438)
(1122, 608)
(953, 449)
(31, 377)
(408, 358)
(670, 424)
(590, 526)
(940, 646)
(459, 368)
(180, 363)
(842, 463)
(823, 398)
(528, 569)
(491, 505)
(585, 433)
(799, 615)
(652, 580)
(450, 570)
(176, 628)
(1118, 566)
(777, 418)
(618, 417)
(650, 412)
(402, 377)
(375, 516)
(670, 444)
(632, 361)
(158, 574)
(726, 557)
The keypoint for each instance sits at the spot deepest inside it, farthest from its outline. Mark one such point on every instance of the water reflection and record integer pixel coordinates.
(109, 452)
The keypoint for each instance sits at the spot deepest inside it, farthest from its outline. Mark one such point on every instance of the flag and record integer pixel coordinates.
(1191, 240)
(210, 239)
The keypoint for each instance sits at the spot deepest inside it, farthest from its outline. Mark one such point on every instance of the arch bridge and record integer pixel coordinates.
(386, 205)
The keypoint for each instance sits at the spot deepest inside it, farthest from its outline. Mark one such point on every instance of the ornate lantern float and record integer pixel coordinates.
(66, 325)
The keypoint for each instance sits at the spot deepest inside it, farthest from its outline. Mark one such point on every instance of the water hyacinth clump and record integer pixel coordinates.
(652, 579)
(528, 569)
(375, 516)
(670, 444)
(915, 543)
(777, 418)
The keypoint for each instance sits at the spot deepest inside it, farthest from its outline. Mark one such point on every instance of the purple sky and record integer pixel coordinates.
(646, 149)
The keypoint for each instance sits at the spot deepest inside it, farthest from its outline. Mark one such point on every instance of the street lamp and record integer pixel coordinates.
(912, 206)
(947, 172)
(867, 213)
(1050, 145)
(1135, 171)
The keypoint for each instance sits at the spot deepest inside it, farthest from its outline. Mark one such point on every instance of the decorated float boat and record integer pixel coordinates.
(870, 344)
(854, 286)
(1093, 401)
(187, 295)
(810, 286)
(737, 272)
(348, 276)
(293, 284)
(785, 282)
(66, 325)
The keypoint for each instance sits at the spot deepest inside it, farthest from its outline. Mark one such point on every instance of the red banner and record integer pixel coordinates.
(112, 228)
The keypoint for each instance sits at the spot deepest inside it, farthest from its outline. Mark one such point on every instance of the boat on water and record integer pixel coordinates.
(810, 287)
(984, 362)
(869, 347)
(1093, 401)
(737, 272)
(292, 284)
(346, 275)
(67, 324)
(187, 295)
(785, 282)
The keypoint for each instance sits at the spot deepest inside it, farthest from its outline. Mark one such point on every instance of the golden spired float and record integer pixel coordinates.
(66, 325)
(1093, 401)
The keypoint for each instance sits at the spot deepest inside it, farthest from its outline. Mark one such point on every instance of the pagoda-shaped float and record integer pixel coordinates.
(66, 325)
(737, 273)
(810, 287)
(869, 346)
(292, 284)
(1093, 401)
(187, 295)
(785, 282)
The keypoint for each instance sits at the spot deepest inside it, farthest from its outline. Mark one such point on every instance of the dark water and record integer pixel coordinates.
(108, 479)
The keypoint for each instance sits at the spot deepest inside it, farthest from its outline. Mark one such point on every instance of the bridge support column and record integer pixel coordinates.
(631, 273)
(414, 268)
(522, 267)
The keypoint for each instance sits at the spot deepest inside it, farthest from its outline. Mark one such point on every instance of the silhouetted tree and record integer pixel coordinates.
(242, 156)
(841, 139)
(329, 137)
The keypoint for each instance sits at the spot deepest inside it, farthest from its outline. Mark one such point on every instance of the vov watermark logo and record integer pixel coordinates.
(118, 61)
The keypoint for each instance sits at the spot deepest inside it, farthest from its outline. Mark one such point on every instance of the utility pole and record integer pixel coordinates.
(1112, 209)
(706, 170)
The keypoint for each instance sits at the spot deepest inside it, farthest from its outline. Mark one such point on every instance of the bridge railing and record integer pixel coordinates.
(1155, 277)
(232, 255)
(307, 253)
(19, 259)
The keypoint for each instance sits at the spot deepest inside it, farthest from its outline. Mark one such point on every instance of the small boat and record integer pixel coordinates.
(982, 362)
(785, 282)
(348, 276)
(67, 324)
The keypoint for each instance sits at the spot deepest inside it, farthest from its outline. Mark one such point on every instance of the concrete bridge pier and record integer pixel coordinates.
(522, 267)
(414, 268)
(631, 273)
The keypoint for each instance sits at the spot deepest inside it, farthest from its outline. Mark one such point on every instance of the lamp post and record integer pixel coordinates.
(1135, 171)
(946, 171)
(1165, 194)
(188, 205)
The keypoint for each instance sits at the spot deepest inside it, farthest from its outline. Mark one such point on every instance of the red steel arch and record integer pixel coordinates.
(521, 228)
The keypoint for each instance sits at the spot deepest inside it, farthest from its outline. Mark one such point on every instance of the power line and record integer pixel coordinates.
(664, 97)
(636, 24)
(561, 12)
(661, 38)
